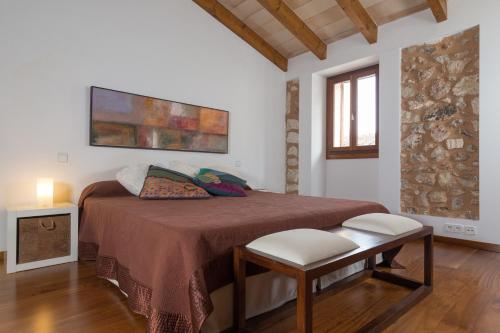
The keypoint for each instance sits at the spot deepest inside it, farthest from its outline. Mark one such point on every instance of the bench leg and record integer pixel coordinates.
(304, 303)
(428, 260)
(239, 293)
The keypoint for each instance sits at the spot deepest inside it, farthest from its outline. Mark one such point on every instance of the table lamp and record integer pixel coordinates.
(45, 191)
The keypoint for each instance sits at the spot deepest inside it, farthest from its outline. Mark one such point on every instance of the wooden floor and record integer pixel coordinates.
(466, 298)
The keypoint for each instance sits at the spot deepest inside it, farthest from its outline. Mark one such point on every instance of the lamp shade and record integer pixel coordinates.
(45, 191)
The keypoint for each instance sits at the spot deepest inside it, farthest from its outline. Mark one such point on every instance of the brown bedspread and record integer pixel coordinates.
(169, 255)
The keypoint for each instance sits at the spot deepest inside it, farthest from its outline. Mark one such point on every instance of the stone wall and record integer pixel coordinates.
(440, 127)
(292, 137)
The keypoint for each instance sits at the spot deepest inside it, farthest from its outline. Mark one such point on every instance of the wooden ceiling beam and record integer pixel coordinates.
(293, 23)
(224, 16)
(439, 9)
(360, 17)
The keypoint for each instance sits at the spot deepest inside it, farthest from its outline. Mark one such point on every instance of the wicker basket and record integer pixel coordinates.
(41, 238)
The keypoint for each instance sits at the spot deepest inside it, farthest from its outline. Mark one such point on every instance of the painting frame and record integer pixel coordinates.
(93, 121)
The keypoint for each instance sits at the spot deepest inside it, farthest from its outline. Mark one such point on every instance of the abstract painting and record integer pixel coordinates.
(120, 119)
(440, 127)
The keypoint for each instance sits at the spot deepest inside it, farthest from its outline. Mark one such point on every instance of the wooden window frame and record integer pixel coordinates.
(353, 151)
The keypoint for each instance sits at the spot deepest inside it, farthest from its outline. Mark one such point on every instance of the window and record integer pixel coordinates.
(352, 114)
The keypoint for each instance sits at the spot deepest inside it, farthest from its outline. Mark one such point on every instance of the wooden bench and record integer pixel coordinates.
(370, 244)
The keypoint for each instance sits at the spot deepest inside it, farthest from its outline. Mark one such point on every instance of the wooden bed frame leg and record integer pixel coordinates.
(428, 260)
(239, 293)
(371, 263)
(304, 303)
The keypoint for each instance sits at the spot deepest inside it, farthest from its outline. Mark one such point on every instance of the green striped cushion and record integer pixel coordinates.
(224, 176)
(155, 171)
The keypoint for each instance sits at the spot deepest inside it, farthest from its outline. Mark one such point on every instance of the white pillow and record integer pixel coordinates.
(185, 168)
(387, 224)
(132, 177)
(303, 246)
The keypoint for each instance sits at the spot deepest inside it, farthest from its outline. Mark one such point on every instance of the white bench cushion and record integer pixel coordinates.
(303, 246)
(387, 224)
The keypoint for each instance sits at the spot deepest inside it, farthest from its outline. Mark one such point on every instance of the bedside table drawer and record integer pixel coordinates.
(43, 237)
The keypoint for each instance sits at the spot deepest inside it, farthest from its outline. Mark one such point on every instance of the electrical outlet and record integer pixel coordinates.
(470, 230)
(237, 164)
(448, 227)
(458, 228)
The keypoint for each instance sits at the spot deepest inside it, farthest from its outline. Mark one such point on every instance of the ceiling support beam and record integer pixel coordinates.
(294, 24)
(224, 16)
(360, 17)
(439, 9)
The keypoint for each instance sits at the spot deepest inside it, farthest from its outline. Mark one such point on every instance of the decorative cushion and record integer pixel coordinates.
(387, 224)
(216, 186)
(236, 172)
(224, 176)
(168, 184)
(156, 171)
(132, 178)
(303, 246)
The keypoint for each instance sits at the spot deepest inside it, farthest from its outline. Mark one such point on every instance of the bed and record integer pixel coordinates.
(173, 258)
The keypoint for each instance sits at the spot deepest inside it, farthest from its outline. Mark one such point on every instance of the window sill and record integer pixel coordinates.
(336, 155)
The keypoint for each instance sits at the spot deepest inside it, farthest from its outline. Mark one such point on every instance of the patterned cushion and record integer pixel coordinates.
(167, 184)
(224, 176)
(213, 184)
(156, 171)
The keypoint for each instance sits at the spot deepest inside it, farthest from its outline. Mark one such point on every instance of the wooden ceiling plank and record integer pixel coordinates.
(292, 22)
(332, 24)
(439, 9)
(360, 17)
(233, 23)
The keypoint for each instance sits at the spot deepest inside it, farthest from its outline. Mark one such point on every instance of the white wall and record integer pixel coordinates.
(52, 51)
(349, 180)
(380, 179)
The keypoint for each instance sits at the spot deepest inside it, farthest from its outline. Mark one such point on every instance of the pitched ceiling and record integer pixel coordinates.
(303, 21)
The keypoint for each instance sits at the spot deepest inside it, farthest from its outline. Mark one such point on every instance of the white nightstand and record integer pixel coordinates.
(41, 236)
